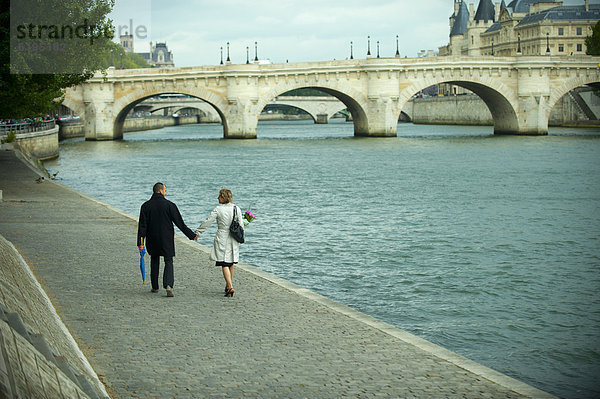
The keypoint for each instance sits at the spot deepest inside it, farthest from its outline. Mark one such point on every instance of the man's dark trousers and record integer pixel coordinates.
(168, 278)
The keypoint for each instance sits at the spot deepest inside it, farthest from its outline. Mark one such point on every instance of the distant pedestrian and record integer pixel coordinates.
(225, 248)
(157, 217)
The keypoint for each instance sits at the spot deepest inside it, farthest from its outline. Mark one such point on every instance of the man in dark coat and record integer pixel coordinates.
(157, 216)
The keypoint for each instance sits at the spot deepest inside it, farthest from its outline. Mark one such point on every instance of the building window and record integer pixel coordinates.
(561, 48)
(579, 47)
(561, 31)
(579, 31)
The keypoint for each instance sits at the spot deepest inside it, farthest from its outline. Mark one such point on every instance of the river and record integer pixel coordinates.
(486, 245)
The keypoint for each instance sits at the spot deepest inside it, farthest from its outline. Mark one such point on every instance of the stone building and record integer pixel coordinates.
(524, 28)
(527, 27)
(127, 43)
(159, 55)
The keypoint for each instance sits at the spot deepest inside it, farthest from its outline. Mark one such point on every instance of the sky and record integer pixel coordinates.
(286, 30)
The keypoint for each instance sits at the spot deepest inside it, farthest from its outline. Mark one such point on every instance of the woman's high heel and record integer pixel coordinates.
(230, 292)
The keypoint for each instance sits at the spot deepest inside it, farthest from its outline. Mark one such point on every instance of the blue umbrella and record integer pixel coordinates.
(142, 265)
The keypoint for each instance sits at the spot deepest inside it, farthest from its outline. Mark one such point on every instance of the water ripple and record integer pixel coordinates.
(486, 245)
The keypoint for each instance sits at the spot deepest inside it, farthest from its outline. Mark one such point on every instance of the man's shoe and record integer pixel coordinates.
(169, 291)
(154, 290)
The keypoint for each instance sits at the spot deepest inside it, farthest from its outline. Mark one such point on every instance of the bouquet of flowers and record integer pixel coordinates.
(248, 217)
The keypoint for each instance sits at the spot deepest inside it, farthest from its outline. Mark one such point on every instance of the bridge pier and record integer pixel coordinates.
(322, 119)
(533, 115)
(98, 117)
(381, 118)
(99, 124)
(533, 110)
(241, 119)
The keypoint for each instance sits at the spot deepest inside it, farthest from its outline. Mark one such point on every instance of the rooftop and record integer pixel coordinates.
(461, 21)
(564, 13)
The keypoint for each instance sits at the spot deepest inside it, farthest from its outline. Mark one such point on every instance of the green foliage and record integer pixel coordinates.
(9, 138)
(592, 42)
(284, 109)
(29, 94)
(306, 92)
(113, 54)
(135, 61)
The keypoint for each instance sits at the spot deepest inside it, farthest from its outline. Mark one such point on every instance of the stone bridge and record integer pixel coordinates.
(319, 108)
(519, 91)
(175, 105)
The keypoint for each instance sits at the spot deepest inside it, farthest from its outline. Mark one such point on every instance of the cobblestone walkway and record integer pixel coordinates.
(272, 340)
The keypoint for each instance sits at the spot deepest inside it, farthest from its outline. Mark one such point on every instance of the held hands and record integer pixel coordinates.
(141, 247)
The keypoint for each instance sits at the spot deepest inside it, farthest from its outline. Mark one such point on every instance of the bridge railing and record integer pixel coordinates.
(26, 126)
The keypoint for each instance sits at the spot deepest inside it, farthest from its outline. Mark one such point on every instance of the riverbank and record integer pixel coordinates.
(273, 339)
(73, 130)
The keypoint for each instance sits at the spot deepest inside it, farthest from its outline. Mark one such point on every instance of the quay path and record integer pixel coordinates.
(273, 339)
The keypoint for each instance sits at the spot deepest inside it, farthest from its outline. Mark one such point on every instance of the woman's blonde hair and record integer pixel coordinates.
(226, 195)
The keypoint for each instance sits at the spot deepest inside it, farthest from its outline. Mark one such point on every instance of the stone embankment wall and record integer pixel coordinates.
(38, 356)
(137, 124)
(471, 110)
(456, 110)
(72, 130)
(281, 117)
(40, 145)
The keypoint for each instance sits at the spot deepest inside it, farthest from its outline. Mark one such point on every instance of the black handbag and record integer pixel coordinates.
(235, 229)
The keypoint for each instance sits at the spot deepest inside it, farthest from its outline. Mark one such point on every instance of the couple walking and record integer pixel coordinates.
(155, 226)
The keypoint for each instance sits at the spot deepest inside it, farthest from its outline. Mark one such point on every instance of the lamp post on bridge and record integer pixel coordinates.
(492, 46)
(397, 48)
(255, 51)
(351, 55)
(519, 43)
(368, 46)
(377, 48)
(221, 55)
(228, 59)
(247, 55)
(547, 43)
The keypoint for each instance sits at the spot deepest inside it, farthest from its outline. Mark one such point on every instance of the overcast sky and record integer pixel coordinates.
(286, 30)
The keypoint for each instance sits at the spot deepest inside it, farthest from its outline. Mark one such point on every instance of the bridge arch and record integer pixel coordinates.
(498, 97)
(127, 102)
(352, 99)
(559, 91)
(153, 109)
(295, 107)
(76, 106)
(320, 109)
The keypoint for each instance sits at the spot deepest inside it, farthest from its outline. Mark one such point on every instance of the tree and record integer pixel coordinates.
(44, 50)
(592, 43)
(130, 60)
(309, 92)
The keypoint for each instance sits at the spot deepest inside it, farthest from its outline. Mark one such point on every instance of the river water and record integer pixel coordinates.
(488, 246)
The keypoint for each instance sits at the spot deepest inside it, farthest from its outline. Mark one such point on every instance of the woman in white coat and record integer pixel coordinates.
(225, 248)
